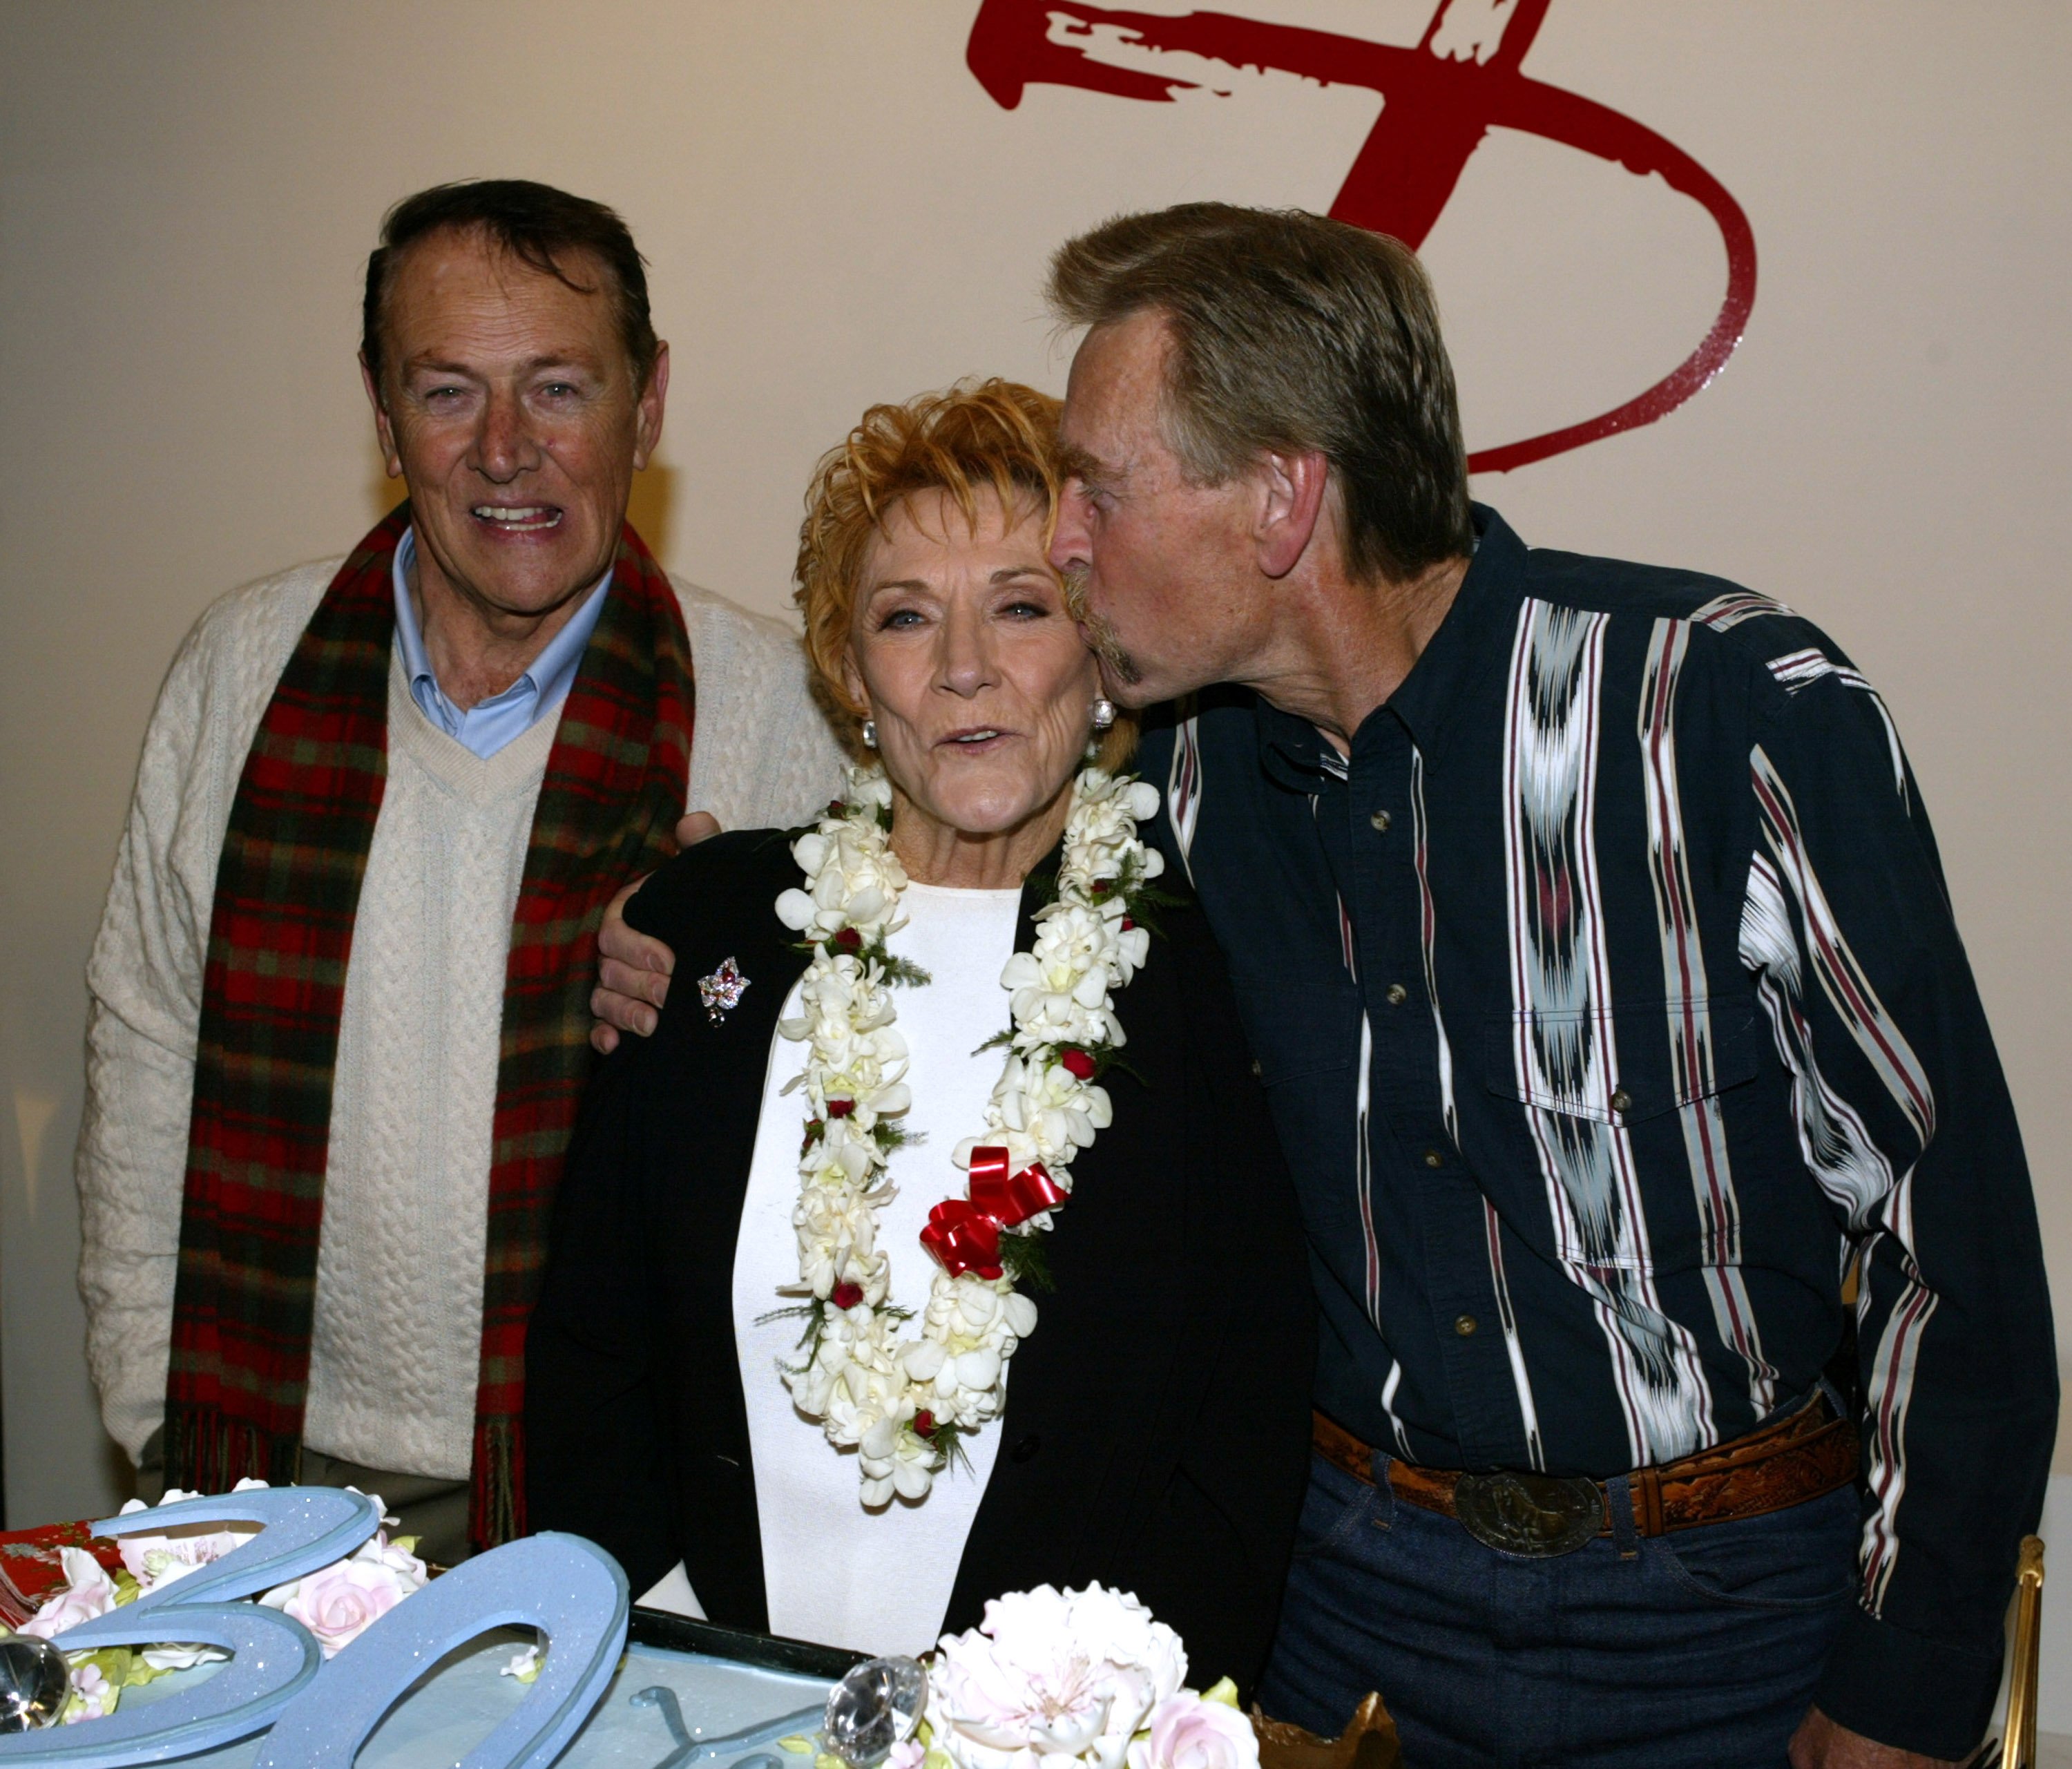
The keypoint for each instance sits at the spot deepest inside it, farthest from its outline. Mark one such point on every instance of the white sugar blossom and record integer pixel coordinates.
(93, 1697)
(894, 1398)
(153, 1561)
(1050, 1680)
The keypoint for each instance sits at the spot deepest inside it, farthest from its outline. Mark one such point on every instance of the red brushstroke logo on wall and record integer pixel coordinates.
(1438, 104)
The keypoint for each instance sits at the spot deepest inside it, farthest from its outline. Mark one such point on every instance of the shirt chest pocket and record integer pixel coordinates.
(1306, 1048)
(1647, 1058)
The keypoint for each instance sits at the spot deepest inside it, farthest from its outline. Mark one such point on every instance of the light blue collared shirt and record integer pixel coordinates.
(486, 726)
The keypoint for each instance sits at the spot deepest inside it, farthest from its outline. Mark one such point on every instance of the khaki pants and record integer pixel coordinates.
(435, 1512)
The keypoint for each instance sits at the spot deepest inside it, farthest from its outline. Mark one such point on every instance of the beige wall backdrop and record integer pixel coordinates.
(837, 212)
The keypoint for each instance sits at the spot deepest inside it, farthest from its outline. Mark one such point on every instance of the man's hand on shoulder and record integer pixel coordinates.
(1819, 1743)
(633, 971)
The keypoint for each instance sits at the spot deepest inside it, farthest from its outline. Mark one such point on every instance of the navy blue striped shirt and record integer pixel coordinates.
(1610, 1005)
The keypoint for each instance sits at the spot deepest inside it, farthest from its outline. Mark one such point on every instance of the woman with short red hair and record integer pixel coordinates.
(938, 1243)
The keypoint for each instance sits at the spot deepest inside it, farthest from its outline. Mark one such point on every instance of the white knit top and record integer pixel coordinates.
(399, 1287)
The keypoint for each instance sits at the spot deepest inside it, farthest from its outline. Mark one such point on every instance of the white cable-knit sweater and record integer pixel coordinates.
(399, 1272)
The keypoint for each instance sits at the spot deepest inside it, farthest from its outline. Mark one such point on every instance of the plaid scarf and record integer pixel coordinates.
(279, 935)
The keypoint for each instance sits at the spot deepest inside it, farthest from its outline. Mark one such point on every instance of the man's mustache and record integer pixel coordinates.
(1098, 633)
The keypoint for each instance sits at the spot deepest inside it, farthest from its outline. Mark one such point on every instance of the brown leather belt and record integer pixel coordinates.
(1802, 1456)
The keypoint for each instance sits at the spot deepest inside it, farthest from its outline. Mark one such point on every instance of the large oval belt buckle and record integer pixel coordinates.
(1540, 1514)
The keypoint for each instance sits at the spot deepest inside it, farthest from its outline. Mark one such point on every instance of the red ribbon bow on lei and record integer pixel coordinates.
(964, 1236)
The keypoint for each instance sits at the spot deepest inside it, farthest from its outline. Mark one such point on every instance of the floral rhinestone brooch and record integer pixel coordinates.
(721, 992)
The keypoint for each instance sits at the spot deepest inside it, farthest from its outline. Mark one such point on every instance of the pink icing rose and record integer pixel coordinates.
(1190, 1732)
(908, 1754)
(89, 1592)
(339, 1604)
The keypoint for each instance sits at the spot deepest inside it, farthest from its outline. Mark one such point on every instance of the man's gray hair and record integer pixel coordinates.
(1293, 333)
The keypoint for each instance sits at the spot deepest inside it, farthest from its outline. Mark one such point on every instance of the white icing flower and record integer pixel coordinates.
(1050, 1677)
(182, 1658)
(153, 1561)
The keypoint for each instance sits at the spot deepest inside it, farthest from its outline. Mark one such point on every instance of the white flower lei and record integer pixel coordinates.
(904, 1402)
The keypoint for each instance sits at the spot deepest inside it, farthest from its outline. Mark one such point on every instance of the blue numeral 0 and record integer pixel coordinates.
(568, 1588)
(272, 1658)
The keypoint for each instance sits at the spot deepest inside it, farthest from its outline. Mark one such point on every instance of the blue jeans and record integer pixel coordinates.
(1697, 1650)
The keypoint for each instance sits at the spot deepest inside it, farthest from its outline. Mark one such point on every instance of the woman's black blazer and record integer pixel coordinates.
(1156, 1427)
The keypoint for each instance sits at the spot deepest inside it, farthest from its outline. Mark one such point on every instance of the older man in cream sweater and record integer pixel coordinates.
(337, 1024)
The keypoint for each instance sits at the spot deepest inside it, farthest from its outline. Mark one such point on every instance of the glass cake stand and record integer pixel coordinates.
(690, 1695)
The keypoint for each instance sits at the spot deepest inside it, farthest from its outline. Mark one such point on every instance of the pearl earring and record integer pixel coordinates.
(870, 733)
(1104, 713)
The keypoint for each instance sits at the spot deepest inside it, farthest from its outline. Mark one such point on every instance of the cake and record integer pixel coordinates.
(1087, 1677)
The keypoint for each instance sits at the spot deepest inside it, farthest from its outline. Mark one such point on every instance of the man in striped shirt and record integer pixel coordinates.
(1686, 1378)
(1596, 954)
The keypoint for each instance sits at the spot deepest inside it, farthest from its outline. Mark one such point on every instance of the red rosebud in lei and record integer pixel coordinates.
(840, 1109)
(848, 940)
(1076, 1062)
(924, 1424)
(847, 1295)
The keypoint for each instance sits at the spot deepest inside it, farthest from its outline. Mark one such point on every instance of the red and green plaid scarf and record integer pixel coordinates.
(280, 936)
